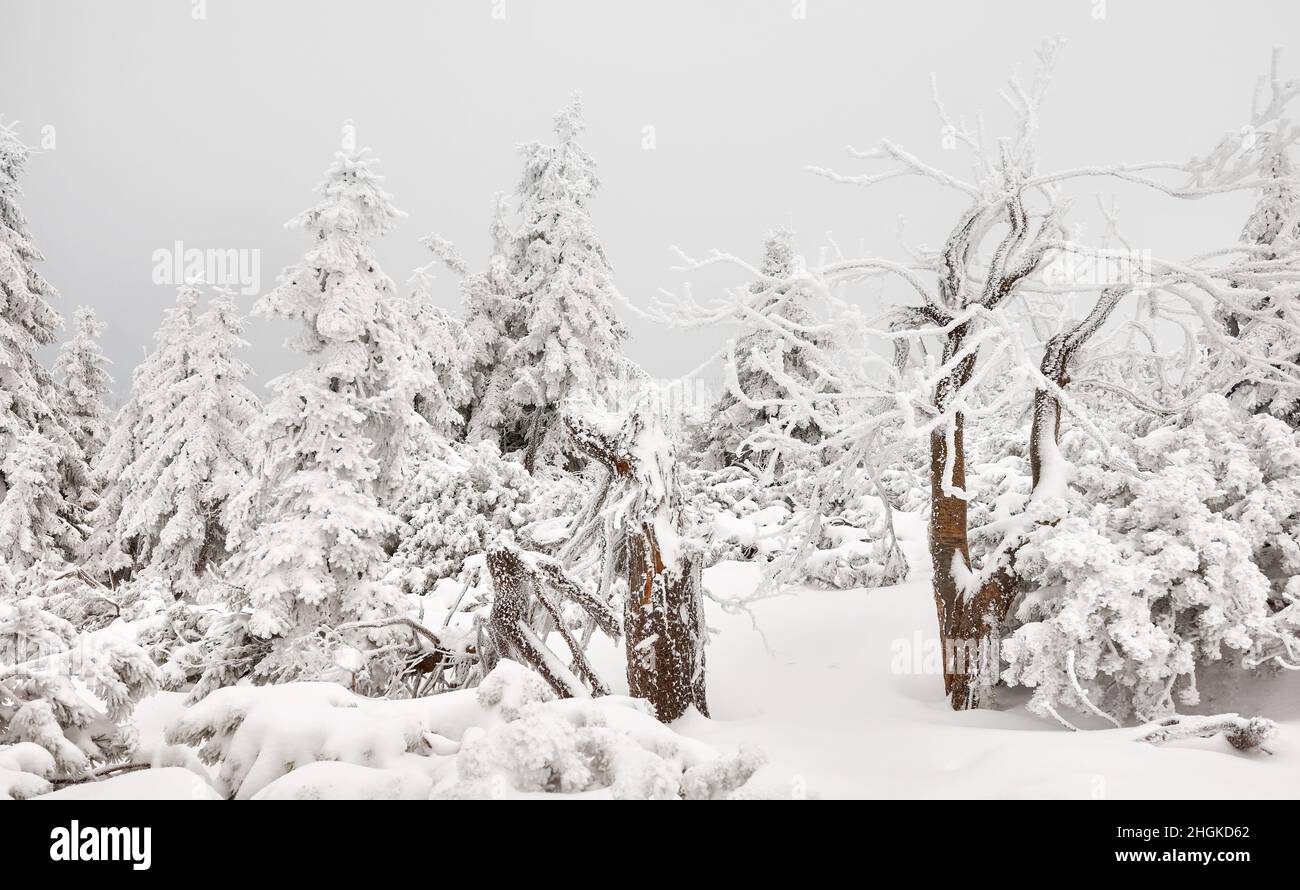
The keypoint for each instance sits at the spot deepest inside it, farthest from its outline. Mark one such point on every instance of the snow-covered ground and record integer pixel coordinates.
(827, 701)
(831, 686)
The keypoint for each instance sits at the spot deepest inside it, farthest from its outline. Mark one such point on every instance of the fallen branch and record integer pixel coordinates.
(522, 580)
(1243, 733)
(103, 772)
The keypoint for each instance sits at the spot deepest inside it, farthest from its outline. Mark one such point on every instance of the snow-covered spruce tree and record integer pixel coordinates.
(34, 435)
(492, 325)
(334, 433)
(194, 457)
(766, 364)
(34, 527)
(111, 552)
(1274, 227)
(80, 370)
(180, 454)
(569, 334)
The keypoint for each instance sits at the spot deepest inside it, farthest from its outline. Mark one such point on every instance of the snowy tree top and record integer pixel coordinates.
(354, 201)
(569, 121)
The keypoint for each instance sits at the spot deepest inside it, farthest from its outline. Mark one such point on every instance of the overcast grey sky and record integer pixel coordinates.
(213, 131)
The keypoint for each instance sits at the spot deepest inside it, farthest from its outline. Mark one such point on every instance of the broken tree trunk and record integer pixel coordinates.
(663, 615)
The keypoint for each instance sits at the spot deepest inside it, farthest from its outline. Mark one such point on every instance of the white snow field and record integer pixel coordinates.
(831, 688)
(829, 707)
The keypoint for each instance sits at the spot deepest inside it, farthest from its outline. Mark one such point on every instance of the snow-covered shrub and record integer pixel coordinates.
(71, 695)
(1145, 578)
(258, 734)
(747, 521)
(509, 736)
(335, 780)
(72, 596)
(906, 487)
(460, 501)
(741, 518)
(613, 744)
(178, 641)
(75, 596)
(854, 553)
(610, 745)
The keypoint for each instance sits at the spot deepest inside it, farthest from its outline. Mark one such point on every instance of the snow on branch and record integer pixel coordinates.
(1243, 733)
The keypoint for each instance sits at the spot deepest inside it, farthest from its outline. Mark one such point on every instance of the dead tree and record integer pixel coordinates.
(966, 312)
(529, 589)
(979, 299)
(663, 613)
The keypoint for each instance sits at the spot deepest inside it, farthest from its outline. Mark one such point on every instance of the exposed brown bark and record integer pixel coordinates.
(968, 620)
(662, 617)
(665, 658)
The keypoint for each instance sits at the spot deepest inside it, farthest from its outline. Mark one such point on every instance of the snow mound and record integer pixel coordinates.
(25, 769)
(508, 737)
(168, 783)
(610, 745)
(260, 733)
(333, 780)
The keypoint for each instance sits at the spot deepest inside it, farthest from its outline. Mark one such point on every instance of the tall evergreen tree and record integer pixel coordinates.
(113, 551)
(33, 433)
(569, 335)
(180, 452)
(315, 557)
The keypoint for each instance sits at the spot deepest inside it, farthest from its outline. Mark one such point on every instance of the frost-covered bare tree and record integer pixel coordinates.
(1011, 314)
